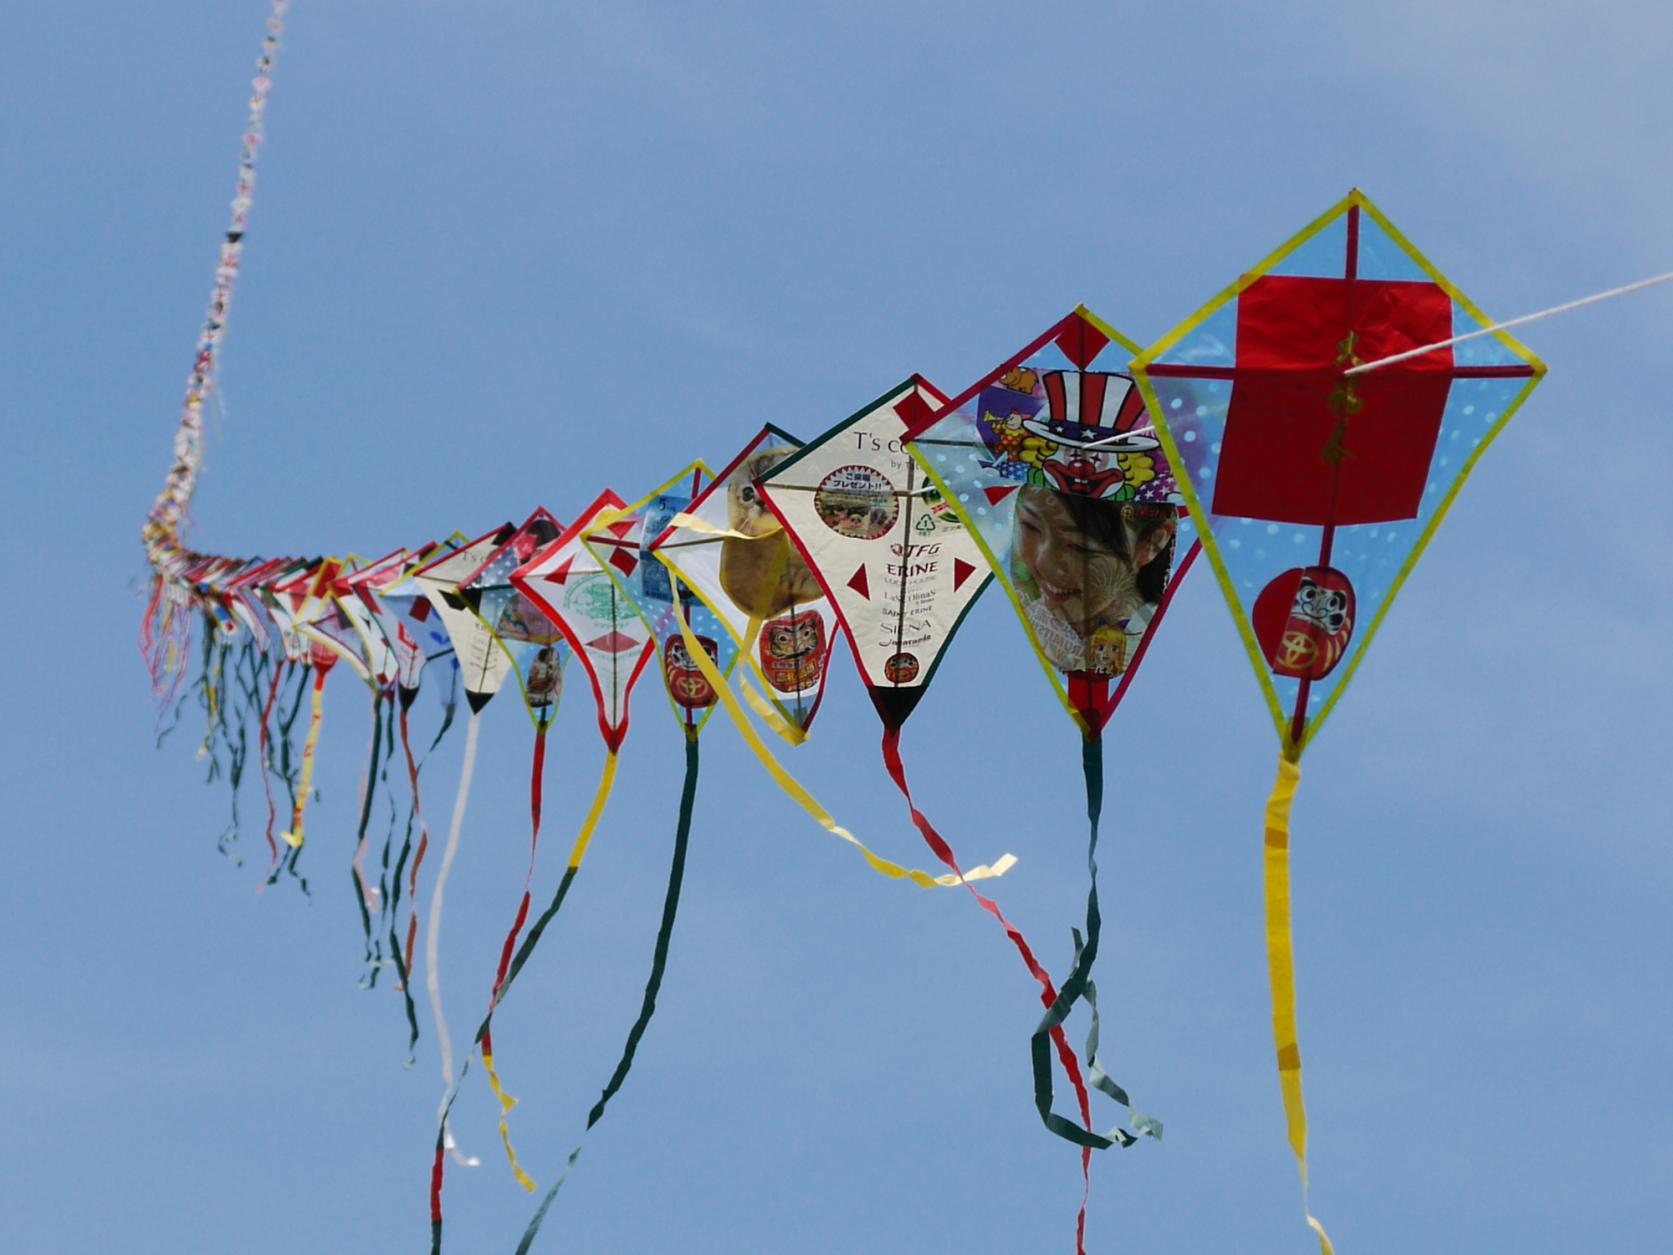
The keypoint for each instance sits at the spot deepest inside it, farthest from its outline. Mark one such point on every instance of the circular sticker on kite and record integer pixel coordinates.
(901, 669)
(1304, 620)
(856, 501)
(686, 683)
(792, 652)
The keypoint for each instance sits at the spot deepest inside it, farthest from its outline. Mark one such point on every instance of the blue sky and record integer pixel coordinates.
(503, 255)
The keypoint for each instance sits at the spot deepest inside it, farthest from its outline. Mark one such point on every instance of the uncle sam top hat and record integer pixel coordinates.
(1094, 410)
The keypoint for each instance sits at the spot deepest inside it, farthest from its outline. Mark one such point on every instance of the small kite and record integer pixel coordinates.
(1318, 472)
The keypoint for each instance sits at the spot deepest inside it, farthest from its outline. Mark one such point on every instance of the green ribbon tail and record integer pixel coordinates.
(647, 1008)
(1078, 985)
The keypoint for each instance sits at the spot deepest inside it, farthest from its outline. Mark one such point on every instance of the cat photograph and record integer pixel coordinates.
(760, 570)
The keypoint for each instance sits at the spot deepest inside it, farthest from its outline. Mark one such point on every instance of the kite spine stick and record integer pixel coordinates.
(647, 1008)
(1366, 367)
(432, 940)
(1280, 959)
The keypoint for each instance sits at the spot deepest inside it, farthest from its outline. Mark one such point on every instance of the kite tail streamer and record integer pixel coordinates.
(384, 896)
(576, 854)
(507, 1102)
(238, 697)
(764, 709)
(238, 747)
(432, 950)
(449, 708)
(1074, 986)
(264, 750)
(647, 1007)
(148, 630)
(365, 896)
(286, 720)
(209, 674)
(799, 795)
(1048, 994)
(305, 781)
(1280, 962)
(423, 828)
(403, 959)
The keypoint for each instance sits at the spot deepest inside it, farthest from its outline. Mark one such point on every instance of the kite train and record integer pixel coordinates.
(1307, 430)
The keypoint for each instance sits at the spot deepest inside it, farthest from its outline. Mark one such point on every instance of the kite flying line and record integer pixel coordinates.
(163, 525)
(1651, 282)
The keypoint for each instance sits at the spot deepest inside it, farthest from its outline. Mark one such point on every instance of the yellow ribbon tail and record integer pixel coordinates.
(768, 715)
(794, 790)
(507, 1102)
(305, 783)
(1280, 962)
(606, 782)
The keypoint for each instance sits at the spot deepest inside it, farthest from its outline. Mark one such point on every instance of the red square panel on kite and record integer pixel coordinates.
(1281, 425)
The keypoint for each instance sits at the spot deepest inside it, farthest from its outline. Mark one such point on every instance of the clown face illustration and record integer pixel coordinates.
(1085, 472)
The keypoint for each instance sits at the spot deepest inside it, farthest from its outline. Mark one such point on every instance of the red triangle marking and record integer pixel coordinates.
(996, 495)
(614, 643)
(859, 584)
(561, 575)
(622, 526)
(962, 571)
